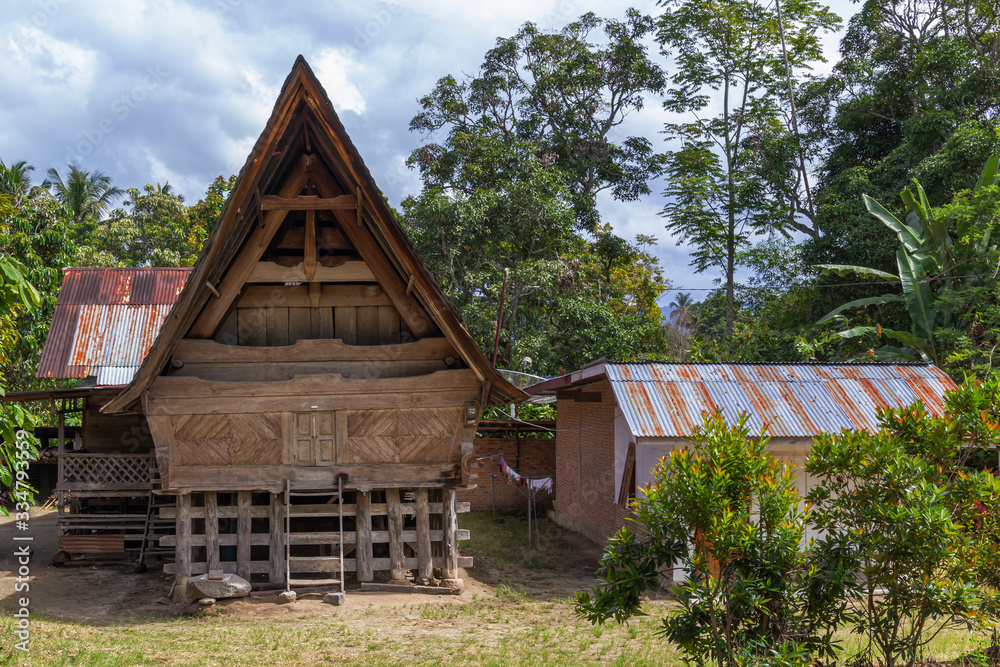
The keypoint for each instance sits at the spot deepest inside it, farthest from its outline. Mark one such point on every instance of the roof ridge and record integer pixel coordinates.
(128, 268)
(651, 362)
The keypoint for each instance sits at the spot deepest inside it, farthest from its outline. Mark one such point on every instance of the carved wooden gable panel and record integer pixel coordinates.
(400, 436)
(233, 439)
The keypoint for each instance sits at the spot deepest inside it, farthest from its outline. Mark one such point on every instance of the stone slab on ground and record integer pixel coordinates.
(231, 586)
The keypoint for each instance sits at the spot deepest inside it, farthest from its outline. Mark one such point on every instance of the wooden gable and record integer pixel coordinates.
(311, 341)
(306, 230)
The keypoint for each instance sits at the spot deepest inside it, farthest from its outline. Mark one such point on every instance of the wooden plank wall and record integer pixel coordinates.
(279, 325)
(115, 433)
(389, 530)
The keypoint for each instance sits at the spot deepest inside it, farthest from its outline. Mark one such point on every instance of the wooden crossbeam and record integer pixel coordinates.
(308, 203)
(244, 264)
(366, 245)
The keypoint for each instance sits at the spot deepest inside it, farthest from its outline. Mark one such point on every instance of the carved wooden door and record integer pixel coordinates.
(314, 439)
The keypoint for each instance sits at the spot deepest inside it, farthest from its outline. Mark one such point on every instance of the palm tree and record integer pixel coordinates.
(87, 194)
(15, 180)
(682, 309)
(167, 189)
(681, 327)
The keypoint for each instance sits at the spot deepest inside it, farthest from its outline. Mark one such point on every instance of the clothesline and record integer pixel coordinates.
(534, 483)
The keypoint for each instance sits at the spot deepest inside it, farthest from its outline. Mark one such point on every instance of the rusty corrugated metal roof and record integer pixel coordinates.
(106, 320)
(662, 400)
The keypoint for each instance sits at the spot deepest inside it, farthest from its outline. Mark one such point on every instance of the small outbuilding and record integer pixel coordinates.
(616, 420)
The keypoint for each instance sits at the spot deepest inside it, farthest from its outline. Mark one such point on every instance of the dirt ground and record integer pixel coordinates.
(107, 594)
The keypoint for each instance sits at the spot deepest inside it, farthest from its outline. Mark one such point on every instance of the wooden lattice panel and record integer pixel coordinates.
(228, 439)
(400, 436)
(106, 469)
(378, 518)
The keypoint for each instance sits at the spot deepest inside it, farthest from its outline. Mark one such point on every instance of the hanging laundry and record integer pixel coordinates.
(541, 484)
(536, 484)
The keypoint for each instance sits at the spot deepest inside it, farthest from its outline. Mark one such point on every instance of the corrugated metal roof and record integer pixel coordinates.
(106, 320)
(663, 400)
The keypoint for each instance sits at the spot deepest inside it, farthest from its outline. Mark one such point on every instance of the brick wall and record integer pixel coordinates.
(585, 462)
(533, 457)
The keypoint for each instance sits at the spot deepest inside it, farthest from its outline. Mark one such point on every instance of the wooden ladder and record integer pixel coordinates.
(335, 562)
(153, 528)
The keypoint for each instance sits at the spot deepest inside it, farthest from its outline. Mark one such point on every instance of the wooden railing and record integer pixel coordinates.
(109, 472)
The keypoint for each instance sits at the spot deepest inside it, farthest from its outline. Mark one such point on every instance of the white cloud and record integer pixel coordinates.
(161, 174)
(335, 68)
(56, 68)
(64, 64)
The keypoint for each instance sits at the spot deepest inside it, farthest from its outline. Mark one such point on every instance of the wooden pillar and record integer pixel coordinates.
(276, 549)
(425, 566)
(61, 463)
(449, 568)
(243, 518)
(365, 566)
(397, 565)
(182, 546)
(212, 531)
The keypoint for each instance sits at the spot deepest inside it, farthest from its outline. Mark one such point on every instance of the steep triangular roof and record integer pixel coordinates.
(304, 141)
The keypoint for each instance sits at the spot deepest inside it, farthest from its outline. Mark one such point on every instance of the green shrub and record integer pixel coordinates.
(902, 515)
(728, 513)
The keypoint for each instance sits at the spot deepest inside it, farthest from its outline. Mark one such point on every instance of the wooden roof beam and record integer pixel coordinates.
(308, 203)
(374, 256)
(245, 263)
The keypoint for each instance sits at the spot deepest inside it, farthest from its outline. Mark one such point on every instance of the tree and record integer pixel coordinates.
(15, 181)
(37, 231)
(916, 93)
(16, 294)
(563, 95)
(898, 511)
(87, 194)
(681, 325)
(727, 512)
(152, 229)
(510, 189)
(935, 265)
(716, 180)
(568, 301)
(205, 214)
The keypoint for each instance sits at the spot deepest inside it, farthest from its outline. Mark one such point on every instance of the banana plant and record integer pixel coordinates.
(928, 262)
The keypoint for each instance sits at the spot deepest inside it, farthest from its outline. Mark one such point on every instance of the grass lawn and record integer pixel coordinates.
(517, 610)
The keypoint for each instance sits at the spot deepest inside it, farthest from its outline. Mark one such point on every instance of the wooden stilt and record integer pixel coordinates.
(425, 566)
(243, 535)
(449, 568)
(363, 552)
(212, 530)
(276, 546)
(182, 546)
(61, 464)
(397, 568)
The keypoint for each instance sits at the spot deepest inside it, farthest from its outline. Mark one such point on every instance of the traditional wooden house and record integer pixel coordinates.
(616, 420)
(311, 398)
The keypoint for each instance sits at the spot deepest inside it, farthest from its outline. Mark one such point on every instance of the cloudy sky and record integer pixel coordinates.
(178, 90)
